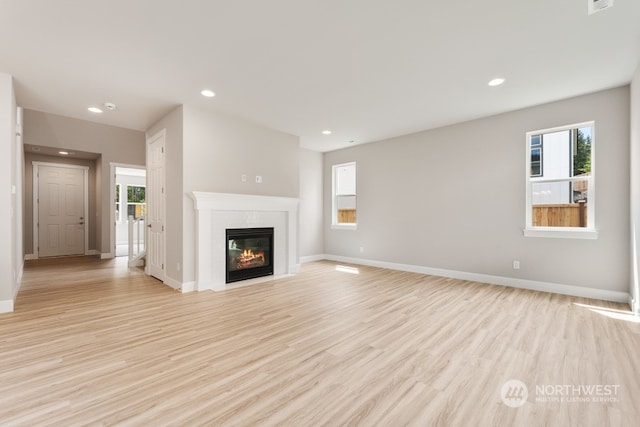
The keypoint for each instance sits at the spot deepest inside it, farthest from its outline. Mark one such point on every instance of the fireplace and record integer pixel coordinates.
(249, 253)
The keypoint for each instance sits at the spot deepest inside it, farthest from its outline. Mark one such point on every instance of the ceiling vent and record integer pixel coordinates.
(598, 5)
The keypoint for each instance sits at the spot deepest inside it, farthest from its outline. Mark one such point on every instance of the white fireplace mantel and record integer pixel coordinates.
(215, 212)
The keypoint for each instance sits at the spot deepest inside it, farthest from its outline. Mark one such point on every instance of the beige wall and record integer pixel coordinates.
(29, 158)
(172, 122)
(112, 143)
(10, 182)
(218, 149)
(209, 152)
(311, 221)
(635, 191)
(454, 198)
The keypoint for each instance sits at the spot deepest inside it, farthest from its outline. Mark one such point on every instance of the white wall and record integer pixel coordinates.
(311, 206)
(454, 198)
(10, 182)
(635, 191)
(117, 145)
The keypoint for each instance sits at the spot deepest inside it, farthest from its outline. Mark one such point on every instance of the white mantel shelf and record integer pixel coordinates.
(215, 212)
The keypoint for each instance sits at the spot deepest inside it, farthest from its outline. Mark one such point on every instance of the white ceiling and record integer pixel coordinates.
(366, 69)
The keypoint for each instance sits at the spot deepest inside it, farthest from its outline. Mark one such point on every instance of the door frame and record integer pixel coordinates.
(36, 203)
(150, 140)
(112, 195)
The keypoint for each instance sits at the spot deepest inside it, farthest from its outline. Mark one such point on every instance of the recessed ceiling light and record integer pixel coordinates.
(208, 93)
(326, 132)
(496, 82)
(64, 153)
(110, 106)
(95, 110)
(35, 148)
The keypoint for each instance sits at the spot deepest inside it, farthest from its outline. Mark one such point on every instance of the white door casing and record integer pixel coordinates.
(60, 209)
(156, 205)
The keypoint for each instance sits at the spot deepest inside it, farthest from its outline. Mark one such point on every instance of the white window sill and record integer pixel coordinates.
(561, 232)
(344, 226)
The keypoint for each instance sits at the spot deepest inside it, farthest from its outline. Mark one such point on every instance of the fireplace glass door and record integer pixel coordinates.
(249, 253)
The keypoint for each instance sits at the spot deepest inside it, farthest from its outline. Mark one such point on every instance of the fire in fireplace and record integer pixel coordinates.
(249, 253)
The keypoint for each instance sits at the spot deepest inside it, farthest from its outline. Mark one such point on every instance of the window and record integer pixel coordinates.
(117, 200)
(344, 195)
(560, 182)
(536, 155)
(136, 205)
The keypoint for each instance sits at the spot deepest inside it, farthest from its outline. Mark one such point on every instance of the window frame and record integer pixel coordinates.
(334, 198)
(128, 203)
(118, 201)
(588, 232)
(539, 147)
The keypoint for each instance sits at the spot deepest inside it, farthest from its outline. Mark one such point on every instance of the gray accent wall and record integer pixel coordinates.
(454, 198)
(311, 205)
(114, 144)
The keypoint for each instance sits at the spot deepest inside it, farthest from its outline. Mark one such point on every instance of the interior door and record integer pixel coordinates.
(156, 205)
(61, 211)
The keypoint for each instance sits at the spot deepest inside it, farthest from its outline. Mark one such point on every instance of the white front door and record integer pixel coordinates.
(61, 212)
(155, 205)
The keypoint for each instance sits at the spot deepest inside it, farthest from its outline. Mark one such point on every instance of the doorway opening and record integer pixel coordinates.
(130, 207)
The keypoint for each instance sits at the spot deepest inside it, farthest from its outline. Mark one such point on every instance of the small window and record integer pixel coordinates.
(536, 155)
(344, 195)
(118, 204)
(560, 182)
(136, 204)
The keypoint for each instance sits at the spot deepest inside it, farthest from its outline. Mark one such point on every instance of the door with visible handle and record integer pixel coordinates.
(156, 205)
(61, 205)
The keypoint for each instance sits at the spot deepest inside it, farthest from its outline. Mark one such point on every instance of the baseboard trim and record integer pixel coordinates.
(188, 287)
(6, 306)
(106, 255)
(92, 252)
(295, 268)
(180, 286)
(312, 258)
(554, 288)
(27, 257)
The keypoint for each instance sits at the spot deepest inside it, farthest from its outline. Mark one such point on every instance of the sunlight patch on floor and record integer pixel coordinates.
(612, 313)
(345, 269)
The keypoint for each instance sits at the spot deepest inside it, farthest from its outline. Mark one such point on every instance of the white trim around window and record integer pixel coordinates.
(564, 232)
(344, 196)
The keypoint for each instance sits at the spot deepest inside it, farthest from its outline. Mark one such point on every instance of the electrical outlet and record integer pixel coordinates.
(361, 249)
(516, 265)
(243, 178)
(258, 179)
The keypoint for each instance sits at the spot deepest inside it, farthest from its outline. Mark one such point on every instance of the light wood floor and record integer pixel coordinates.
(92, 342)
